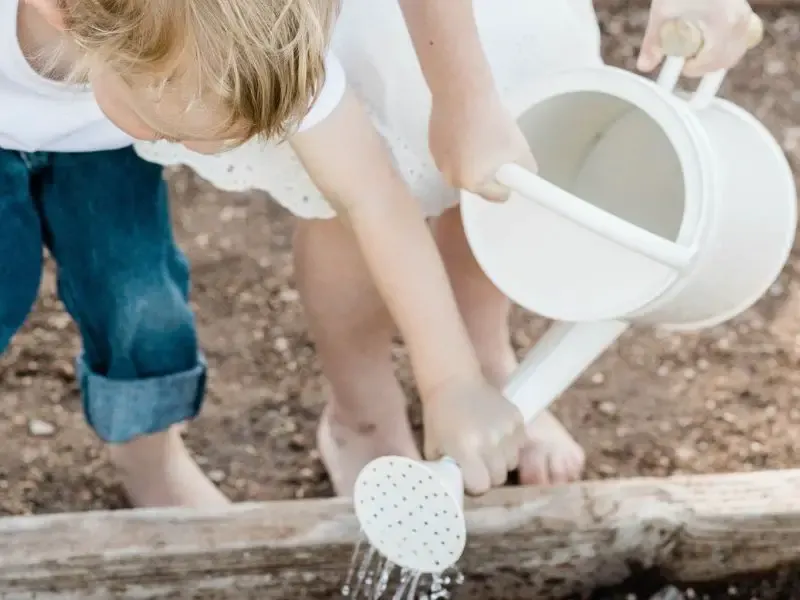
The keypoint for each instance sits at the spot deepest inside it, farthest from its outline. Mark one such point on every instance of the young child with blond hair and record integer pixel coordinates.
(79, 81)
(440, 80)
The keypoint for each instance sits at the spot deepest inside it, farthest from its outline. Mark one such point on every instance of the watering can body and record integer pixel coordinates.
(648, 207)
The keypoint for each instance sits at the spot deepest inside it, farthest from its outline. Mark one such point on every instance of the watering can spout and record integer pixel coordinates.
(619, 231)
(562, 354)
(427, 530)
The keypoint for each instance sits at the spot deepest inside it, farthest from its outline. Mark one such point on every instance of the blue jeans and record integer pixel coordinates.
(104, 216)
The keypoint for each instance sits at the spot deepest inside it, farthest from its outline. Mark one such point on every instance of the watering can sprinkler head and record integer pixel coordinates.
(412, 511)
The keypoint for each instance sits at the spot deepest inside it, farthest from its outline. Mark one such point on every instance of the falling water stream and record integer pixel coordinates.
(372, 577)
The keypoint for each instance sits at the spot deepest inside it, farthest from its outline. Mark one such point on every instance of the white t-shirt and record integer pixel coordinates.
(37, 114)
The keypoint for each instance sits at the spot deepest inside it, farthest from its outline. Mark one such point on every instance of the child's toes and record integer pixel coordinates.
(551, 456)
(567, 466)
(577, 463)
(534, 467)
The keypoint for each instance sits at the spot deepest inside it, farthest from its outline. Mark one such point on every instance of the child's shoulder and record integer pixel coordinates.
(329, 94)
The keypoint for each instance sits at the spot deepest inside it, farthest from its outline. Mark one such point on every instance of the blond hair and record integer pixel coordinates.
(264, 59)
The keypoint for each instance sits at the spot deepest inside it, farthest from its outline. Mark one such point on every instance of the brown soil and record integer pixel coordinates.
(782, 584)
(720, 400)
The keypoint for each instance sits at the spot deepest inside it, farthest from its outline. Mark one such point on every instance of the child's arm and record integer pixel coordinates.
(471, 133)
(446, 41)
(351, 168)
(465, 416)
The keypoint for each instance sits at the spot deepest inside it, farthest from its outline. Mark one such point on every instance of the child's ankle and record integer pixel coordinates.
(158, 470)
(153, 449)
(362, 422)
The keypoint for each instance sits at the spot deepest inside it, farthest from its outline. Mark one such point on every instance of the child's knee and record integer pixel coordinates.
(141, 371)
(135, 322)
(152, 327)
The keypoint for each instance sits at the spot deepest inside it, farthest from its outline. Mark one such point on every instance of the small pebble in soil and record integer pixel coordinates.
(779, 584)
(39, 428)
(607, 408)
(217, 476)
(669, 593)
(59, 321)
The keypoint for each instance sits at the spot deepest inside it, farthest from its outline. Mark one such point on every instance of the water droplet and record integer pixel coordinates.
(348, 582)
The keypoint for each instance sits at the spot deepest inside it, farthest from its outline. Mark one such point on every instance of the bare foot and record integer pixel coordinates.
(158, 470)
(552, 456)
(347, 446)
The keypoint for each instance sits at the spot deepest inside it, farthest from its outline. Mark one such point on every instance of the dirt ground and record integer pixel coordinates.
(720, 400)
(782, 584)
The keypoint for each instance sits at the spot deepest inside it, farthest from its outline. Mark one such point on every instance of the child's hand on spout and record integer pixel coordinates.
(471, 137)
(471, 422)
(725, 26)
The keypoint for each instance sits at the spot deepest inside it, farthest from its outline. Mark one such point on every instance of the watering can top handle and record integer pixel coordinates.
(606, 225)
(682, 40)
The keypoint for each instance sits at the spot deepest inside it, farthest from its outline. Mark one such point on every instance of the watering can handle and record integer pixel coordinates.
(682, 40)
(539, 190)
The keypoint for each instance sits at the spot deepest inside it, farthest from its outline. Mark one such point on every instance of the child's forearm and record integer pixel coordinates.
(448, 46)
(407, 270)
(350, 165)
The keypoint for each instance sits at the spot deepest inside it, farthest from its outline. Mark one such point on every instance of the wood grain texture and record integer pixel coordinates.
(562, 539)
(756, 4)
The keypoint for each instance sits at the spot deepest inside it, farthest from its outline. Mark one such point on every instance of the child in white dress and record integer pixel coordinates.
(441, 80)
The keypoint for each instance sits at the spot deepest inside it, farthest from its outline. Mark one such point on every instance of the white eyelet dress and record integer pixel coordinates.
(524, 40)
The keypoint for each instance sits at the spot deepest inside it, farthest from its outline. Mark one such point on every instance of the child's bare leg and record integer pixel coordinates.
(157, 470)
(365, 416)
(126, 284)
(552, 455)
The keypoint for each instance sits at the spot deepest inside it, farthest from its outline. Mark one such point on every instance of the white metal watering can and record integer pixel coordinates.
(649, 207)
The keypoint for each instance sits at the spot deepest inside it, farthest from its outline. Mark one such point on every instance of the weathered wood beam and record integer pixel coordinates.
(756, 4)
(765, 4)
(560, 539)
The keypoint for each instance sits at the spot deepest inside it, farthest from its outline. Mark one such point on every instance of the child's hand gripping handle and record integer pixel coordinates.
(682, 40)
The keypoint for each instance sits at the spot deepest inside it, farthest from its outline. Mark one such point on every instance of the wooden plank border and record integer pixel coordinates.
(756, 4)
(561, 539)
